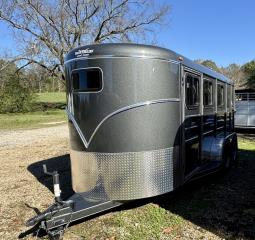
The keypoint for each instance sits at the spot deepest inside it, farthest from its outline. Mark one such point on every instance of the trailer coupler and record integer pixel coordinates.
(55, 219)
(59, 215)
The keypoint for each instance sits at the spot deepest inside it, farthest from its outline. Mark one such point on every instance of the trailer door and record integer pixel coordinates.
(191, 122)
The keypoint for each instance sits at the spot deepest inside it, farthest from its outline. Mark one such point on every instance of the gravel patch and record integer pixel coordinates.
(21, 188)
(16, 138)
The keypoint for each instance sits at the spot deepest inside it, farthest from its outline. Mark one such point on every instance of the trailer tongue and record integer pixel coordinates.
(58, 216)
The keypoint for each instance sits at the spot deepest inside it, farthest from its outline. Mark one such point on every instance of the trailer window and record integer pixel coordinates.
(220, 95)
(208, 93)
(87, 80)
(192, 91)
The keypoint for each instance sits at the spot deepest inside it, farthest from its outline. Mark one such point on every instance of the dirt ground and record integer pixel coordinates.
(219, 207)
(20, 184)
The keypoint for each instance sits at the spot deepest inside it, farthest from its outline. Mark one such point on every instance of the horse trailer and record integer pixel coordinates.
(143, 120)
(245, 108)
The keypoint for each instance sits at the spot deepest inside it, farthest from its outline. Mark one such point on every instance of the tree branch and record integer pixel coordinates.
(53, 28)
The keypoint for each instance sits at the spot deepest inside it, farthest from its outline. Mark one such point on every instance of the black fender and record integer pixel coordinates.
(219, 148)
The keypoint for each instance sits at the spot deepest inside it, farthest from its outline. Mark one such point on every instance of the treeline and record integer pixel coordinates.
(242, 75)
(18, 86)
(37, 78)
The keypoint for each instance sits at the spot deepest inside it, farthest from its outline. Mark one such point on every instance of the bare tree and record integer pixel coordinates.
(46, 30)
(235, 72)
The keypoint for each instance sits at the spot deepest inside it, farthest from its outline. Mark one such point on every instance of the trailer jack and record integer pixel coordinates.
(56, 219)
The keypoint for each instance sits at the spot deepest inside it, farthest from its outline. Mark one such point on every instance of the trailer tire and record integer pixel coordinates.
(230, 152)
(227, 158)
(234, 149)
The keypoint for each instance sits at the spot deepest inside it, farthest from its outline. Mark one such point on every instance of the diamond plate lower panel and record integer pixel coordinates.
(122, 176)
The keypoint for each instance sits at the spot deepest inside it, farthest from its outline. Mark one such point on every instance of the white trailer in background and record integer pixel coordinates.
(245, 108)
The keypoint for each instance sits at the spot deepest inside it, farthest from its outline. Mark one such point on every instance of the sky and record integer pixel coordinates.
(219, 30)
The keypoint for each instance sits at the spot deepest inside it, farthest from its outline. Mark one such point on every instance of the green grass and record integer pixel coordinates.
(246, 143)
(39, 118)
(246, 147)
(146, 222)
(51, 97)
(31, 120)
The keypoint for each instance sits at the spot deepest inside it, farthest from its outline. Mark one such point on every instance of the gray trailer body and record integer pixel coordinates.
(127, 152)
(128, 136)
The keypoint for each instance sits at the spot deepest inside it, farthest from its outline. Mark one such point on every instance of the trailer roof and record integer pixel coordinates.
(139, 50)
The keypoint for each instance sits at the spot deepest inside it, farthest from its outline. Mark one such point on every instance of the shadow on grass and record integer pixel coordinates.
(223, 203)
(46, 106)
(247, 134)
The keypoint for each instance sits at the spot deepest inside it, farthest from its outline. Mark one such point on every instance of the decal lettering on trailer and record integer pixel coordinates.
(83, 52)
